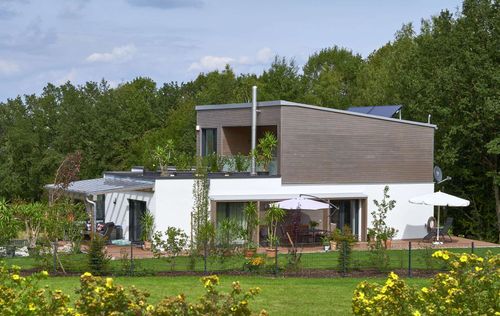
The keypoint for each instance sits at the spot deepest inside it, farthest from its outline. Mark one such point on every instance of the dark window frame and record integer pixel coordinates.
(204, 150)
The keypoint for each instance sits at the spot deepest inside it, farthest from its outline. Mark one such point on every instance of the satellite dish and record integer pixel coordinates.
(438, 174)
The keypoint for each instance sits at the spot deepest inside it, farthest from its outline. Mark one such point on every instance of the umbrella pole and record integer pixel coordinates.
(439, 211)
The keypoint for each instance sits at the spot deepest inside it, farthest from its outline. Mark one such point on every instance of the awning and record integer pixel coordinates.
(285, 196)
(103, 186)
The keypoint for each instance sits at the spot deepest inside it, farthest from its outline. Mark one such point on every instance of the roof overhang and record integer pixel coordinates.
(104, 186)
(285, 196)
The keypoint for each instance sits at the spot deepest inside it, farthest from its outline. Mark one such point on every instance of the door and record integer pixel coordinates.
(136, 211)
(346, 214)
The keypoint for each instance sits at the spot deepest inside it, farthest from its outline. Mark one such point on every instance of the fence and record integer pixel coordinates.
(132, 260)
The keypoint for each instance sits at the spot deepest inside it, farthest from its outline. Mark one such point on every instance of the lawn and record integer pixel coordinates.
(280, 296)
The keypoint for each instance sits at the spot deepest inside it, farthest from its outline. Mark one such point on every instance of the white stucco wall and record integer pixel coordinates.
(117, 207)
(172, 202)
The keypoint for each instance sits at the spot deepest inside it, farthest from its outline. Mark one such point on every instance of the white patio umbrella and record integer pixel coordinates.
(301, 203)
(439, 199)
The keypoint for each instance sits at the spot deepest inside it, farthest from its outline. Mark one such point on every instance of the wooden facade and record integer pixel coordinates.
(324, 146)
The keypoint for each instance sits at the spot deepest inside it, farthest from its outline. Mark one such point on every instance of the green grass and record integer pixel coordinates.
(280, 296)
(361, 260)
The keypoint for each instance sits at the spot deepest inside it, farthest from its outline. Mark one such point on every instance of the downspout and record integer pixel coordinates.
(92, 222)
(253, 171)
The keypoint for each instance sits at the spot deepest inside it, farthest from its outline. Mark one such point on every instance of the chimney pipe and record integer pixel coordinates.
(253, 171)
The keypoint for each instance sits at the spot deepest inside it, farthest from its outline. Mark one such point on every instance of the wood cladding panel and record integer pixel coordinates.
(326, 147)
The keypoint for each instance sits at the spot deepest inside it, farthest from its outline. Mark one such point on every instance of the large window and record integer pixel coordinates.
(208, 141)
(100, 207)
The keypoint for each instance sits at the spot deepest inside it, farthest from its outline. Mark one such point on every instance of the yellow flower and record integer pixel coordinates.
(15, 277)
(86, 274)
(416, 313)
(393, 276)
(463, 258)
(109, 283)
(45, 273)
(478, 269)
(480, 259)
(31, 307)
(445, 256)
(437, 254)
(150, 308)
(425, 290)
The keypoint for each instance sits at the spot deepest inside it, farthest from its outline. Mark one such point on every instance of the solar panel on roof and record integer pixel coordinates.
(379, 110)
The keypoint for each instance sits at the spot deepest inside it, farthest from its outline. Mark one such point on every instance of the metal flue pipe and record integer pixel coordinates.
(253, 170)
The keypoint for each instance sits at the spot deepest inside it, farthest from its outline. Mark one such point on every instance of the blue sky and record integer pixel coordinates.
(173, 40)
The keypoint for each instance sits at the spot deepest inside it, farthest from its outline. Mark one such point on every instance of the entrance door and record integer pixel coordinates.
(136, 211)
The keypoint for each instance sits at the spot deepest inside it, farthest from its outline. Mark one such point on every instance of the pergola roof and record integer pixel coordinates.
(103, 186)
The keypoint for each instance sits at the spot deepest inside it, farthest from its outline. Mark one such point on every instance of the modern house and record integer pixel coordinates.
(344, 157)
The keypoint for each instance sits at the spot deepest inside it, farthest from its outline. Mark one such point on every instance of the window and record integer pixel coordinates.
(208, 141)
(100, 206)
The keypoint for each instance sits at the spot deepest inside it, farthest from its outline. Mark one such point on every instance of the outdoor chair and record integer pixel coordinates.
(446, 228)
(107, 230)
(432, 234)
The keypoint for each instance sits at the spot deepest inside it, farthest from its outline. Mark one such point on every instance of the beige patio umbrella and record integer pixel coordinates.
(439, 199)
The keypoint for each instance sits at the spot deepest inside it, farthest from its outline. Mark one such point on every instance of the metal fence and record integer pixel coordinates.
(133, 261)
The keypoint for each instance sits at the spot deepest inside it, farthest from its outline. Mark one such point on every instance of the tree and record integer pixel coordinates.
(330, 77)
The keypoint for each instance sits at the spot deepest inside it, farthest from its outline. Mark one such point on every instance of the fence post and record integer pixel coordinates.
(54, 255)
(205, 257)
(131, 259)
(344, 258)
(409, 259)
(276, 259)
(472, 247)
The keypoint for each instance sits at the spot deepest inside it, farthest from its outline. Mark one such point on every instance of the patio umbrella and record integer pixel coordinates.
(439, 199)
(301, 203)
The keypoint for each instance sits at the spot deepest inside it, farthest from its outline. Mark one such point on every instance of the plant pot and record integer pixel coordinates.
(250, 252)
(388, 243)
(271, 252)
(326, 247)
(146, 245)
(333, 245)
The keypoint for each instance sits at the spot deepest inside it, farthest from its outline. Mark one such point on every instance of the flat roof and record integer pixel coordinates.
(307, 106)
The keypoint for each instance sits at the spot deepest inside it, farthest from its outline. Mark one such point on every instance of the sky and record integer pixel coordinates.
(57, 41)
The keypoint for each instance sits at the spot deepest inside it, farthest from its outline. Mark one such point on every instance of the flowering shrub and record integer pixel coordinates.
(101, 296)
(23, 296)
(212, 303)
(254, 264)
(471, 287)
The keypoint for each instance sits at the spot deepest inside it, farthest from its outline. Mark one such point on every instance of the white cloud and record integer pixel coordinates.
(208, 63)
(265, 55)
(211, 63)
(121, 53)
(69, 76)
(7, 67)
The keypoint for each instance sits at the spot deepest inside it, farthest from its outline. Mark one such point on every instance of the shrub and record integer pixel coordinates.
(176, 241)
(471, 287)
(23, 296)
(100, 296)
(98, 258)
(345, 240)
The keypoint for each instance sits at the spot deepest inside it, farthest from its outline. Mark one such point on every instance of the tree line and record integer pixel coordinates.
(449, 69)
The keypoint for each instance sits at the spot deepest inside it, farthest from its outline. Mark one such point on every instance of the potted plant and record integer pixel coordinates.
(148, 227)
(163, 156)
(313, 225)
(241, 163)
(264, 152)
(252, 222)
(274, 216)
(387, 236)
(334, 238)
(325, 240)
